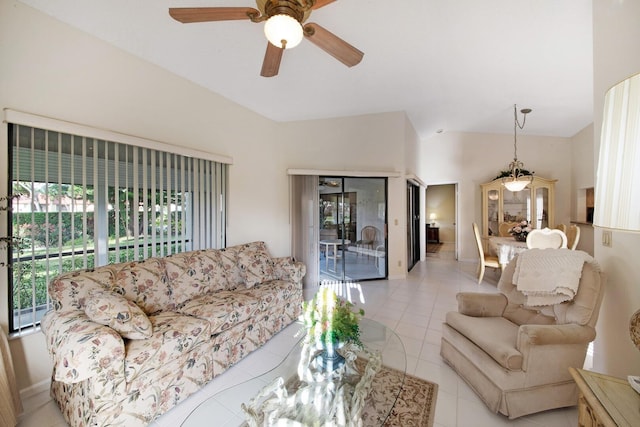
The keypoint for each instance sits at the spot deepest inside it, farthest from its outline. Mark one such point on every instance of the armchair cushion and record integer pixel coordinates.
(495, 335)
(555, 334)
(481, 305)
(580, 310)
(117, 312)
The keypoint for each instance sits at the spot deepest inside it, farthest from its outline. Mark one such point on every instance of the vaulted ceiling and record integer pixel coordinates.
(452, 65)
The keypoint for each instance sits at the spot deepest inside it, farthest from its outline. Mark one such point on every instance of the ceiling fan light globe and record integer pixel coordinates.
(283, 31)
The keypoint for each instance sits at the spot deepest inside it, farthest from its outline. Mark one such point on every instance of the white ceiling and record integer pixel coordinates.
(457, 65)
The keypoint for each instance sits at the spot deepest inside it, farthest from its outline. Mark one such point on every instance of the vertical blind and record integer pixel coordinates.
(81, 202)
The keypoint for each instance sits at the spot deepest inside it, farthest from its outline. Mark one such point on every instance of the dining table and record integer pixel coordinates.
(505, 248)
(332, 251)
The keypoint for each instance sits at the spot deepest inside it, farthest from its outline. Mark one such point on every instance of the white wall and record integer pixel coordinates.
(373, 143)
(471, 159)
(616, 33)
(582, 177)
(51, 69)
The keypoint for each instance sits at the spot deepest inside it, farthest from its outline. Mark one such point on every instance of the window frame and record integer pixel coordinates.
(210, 167)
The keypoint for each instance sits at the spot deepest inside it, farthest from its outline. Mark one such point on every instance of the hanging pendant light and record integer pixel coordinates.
(518, 177)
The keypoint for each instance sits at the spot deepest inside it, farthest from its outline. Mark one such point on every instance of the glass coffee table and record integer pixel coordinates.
(296, 394)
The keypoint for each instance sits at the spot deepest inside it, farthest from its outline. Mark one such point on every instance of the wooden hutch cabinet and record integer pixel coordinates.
(536, 203)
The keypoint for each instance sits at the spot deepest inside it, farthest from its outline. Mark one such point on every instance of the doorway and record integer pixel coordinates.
(441, 216)
(352, 216)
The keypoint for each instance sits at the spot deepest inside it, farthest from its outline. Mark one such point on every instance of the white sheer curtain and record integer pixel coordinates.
(617, 204)
(10, 405)
(305, 225)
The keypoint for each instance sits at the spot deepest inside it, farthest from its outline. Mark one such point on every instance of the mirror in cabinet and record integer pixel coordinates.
(535, 204)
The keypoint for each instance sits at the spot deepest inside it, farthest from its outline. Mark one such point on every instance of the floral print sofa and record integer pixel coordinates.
(130, 341)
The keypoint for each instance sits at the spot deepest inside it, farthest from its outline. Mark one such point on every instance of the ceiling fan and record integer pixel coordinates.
(284, 28)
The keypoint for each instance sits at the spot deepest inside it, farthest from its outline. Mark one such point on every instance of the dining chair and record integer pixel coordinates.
(504, 227)
(562, 227)
(368, 237)
(546, 238)
(573, 236)
(485, 260)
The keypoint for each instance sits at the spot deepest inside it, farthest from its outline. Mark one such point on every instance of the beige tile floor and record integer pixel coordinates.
(414, 308)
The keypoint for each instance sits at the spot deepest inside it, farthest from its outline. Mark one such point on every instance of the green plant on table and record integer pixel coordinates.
(329, 319)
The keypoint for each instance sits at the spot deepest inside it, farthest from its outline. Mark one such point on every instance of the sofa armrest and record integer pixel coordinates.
(555, 334)
(287, 269)
(81, 348)
(479, 304)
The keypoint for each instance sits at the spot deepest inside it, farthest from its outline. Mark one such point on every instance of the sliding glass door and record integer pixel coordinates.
(352, 228)
(413, 225)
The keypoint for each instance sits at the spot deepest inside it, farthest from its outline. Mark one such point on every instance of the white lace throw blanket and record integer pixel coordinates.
(549, 276)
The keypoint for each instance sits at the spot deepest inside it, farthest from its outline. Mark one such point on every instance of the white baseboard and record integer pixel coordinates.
(34, 389)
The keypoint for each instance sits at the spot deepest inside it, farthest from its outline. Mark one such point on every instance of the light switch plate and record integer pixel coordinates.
(606, 238)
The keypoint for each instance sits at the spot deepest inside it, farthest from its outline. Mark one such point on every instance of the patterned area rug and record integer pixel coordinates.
(416, 405)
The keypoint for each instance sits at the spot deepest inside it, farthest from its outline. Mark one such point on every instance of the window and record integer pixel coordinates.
(80, 202)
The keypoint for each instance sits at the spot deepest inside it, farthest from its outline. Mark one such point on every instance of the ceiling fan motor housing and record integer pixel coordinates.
(285, 7)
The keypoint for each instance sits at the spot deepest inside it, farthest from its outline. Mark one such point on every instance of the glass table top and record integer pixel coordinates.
(269, 391)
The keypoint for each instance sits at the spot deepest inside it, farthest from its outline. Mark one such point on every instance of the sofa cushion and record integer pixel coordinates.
(113, 310)
(223, 309)
(174, 336)
(195, 273)
(497, 336)
(230, 268)
(275, 293)
(70, 290)
(256, 265)
(145, 283)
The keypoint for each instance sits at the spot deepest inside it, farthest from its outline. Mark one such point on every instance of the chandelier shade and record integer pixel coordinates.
(617, 196)
(517, 184)
(518, 178)
(283, 31)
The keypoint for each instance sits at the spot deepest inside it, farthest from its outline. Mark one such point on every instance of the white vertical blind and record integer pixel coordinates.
(617, 197)
(85, 202)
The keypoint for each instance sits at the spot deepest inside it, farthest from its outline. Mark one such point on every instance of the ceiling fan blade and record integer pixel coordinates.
(271, 63)
(188, 15)
(333, 45)
(320, 3)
